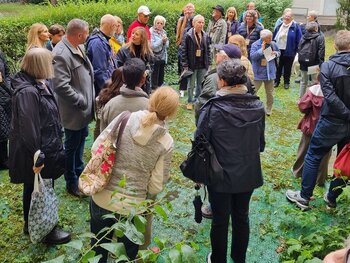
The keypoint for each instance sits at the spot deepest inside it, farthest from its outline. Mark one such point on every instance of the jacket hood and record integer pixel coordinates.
(96, 33)
(311, 35)
(240, 110)
(341, 58)
(147, 135)
(21, 81)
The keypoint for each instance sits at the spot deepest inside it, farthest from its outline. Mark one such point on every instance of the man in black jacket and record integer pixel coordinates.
(333, 126)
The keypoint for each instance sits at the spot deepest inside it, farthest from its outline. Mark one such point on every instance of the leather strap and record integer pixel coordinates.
(121, 123)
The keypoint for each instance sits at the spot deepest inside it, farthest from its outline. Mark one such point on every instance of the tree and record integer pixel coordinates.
(343, 11)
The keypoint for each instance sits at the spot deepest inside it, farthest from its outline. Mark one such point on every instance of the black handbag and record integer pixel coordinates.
(201, 165)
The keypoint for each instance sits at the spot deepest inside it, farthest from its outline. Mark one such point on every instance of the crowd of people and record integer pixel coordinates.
(69, 77)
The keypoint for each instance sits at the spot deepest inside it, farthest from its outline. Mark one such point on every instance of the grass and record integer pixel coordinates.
(274, 222)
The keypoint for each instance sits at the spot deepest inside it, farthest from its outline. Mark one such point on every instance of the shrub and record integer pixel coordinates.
(13, 30)
(343, 11)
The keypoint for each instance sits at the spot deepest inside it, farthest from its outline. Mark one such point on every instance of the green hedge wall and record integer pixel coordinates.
(13, 30)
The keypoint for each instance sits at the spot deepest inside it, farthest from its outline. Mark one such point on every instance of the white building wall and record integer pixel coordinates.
(323, 7)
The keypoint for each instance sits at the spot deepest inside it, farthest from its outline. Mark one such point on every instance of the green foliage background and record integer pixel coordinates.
(13, 29)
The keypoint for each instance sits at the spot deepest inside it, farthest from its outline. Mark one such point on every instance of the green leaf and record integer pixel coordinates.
(160, 211)
(132, 234)
(119, 229)
(122, 258)
(87, 235)
(164, 259)
(188, 254)
(117, 249)
(314, 260)
(87, 256)
(146, 255)
(194, 245)
(122, 182)
(140, 223)
(77, 244)
(59, 259)
(160, 242)
(293, 248)
(95, 259)
(175, 256)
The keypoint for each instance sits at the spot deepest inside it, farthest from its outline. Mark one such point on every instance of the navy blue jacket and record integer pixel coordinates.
(335, 85)
(235, 127)
(293, 39)
(254, 36)
(101, 56)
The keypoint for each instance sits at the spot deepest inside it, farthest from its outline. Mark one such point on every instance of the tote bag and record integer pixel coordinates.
(43, 212)
(342, 162)
(98, 171)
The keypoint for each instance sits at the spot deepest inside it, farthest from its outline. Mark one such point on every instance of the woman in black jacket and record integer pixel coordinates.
(5, 110)
(35, 125)
(234, 123)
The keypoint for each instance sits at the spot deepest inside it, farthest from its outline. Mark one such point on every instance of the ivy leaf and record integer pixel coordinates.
(160, 211)
(164, 259)
(140, 223)
(95, 259)
(188, 254)
(175, 256)
(147, 256)
(119, 229)
(117, 249)
(160, 242)
(293, 248)
(77, 244)
(122, 182)
(59, 259)
(122, 258)
(132, 234)
(87, 256)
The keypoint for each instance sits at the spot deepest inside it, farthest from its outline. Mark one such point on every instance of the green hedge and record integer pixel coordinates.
(13, 30)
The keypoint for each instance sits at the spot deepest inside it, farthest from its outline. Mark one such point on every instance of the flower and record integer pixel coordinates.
(105, 167)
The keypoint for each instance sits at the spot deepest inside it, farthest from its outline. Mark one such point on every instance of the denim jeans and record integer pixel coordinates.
(223, 206)
(74, 148)
(329, 132)
(195, 81)
(97, 223)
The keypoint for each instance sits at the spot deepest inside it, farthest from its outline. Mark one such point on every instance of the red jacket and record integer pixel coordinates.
(310, 104)
(134, 24)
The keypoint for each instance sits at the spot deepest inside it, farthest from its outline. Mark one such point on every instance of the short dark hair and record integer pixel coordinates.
(232, 71)
(133, 71)
(56, 29)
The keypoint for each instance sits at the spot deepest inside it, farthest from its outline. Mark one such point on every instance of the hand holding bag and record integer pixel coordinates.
(98, 171)
(43, 212)
(201, 165)
(342, 162)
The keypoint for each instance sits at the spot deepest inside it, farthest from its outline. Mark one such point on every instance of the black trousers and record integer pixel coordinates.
(284, 65)
(158, 74)
(3, 152)
(223, 206)
(183, 82)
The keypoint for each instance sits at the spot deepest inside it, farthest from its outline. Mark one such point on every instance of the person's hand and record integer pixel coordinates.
(263, 45)
(165, 39)
(37, 170)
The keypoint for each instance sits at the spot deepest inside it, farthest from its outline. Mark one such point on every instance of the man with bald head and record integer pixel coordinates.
(100, 53)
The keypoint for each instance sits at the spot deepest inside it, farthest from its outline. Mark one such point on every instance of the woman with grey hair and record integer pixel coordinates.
(35, 125)
(159, 45)
(233, 122)
(264, 67)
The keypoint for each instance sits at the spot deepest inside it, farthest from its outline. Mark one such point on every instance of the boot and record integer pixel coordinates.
(57, 236)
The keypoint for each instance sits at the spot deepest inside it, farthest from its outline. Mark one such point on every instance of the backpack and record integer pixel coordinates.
(308, 52)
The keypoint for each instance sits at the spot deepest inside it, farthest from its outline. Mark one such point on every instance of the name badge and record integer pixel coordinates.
(263, 62)
(247, 41)
(198, 53)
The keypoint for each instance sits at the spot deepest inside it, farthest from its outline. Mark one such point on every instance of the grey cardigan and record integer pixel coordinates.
(73, 85)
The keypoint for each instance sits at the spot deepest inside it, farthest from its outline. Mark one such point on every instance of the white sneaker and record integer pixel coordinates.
(209, 258)
(182, 93)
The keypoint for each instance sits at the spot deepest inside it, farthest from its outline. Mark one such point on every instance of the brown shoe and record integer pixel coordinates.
(189, 106)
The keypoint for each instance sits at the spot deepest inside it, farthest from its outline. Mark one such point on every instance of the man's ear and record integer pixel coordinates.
(143, 80)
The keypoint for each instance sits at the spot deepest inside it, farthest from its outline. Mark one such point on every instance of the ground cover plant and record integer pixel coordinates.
(279, 231)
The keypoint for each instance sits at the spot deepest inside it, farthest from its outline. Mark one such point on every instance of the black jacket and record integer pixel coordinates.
(235, 127)
(5, 99)
(335, 85)
(318, 48)
(35, 125)
(189, 48)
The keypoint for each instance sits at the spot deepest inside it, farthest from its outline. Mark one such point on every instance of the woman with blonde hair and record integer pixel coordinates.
(118, 39)
(35, 125)
(239, 41)
(143, 159)
(138, 47)
(37, 36)
(232, 23)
